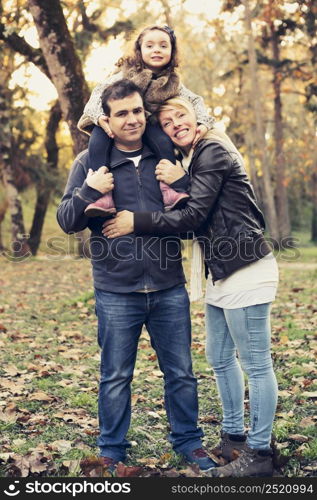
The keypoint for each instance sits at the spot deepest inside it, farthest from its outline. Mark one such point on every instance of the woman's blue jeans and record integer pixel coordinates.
(166, 316)
(245, 331)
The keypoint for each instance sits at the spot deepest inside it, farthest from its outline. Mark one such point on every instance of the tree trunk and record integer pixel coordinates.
(20, 247)
(167, 13)
(281, 198)
(268, 199)
(43, 189)
(3, 210)
(63, 63)
(314, 202)
(253, 173)
(311, 89)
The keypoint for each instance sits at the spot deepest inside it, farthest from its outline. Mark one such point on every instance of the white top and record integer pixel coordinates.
(255, 283)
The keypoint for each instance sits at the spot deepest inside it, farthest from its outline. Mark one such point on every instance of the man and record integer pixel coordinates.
(136, 283)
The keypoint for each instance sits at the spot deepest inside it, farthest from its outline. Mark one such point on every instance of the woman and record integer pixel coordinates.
(241, 284)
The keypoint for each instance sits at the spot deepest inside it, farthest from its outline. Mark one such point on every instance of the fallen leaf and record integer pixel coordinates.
(298, 437)
(19, 465)
(154, 414)
(280, 446)
(38, 462)
(124, 471)
(284, 339)
(72, 466)
(191, 471)
(312, 467)
(19, 442)
(210, 419)
(307, 421)
(93, 467)
(312, 395)
(11, 370)
(165, 458)
(60, 445)
(284, 394)
(8, 418)
(171, 473)
(300, 449)
(149, 461)
(134, 399)
(41, 396)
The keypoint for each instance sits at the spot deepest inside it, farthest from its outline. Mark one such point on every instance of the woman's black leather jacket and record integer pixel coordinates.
(222, 211)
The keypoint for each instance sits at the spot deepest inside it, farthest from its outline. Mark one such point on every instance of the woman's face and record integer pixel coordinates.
(180, 125)
(156, 50)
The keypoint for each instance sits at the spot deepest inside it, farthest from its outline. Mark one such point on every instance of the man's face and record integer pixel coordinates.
(127, 121)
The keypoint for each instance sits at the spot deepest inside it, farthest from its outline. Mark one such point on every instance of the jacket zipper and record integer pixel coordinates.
(138, 175)
(140, 189)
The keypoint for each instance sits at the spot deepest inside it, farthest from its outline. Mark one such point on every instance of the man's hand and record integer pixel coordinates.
(103, 123)
(167, 172)
(200, 132)
(100, 180)
(120, 225)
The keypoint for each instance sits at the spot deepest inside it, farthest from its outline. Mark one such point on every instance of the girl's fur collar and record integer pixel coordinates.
(156, 88)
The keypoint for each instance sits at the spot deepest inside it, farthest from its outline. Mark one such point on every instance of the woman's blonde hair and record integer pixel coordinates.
(213, 134)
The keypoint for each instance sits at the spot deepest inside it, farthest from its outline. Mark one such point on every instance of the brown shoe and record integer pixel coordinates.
(250, 463)
(229, 446)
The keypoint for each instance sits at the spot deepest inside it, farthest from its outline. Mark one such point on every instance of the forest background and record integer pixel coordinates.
(254, 63)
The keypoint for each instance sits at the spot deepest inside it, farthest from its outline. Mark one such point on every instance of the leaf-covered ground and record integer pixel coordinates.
(49, 376)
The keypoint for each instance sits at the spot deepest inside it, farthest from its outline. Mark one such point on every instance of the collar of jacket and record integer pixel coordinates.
(116, 158)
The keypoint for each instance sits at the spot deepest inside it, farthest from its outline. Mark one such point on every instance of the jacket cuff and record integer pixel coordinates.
(182, 184)
(142, 222)
(209, 122)
(88, 193)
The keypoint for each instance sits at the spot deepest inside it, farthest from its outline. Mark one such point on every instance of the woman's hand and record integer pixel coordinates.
(103, 123)
(167, 172)
(120, 225)
(200, 132)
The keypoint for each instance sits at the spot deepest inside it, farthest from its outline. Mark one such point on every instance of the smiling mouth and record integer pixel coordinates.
(135, 129)
(181, 133)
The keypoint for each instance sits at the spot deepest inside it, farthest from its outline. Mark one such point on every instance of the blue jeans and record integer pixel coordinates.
(245, 331)
(167, 318)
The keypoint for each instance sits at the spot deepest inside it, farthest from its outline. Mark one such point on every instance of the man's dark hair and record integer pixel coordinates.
(118, 90)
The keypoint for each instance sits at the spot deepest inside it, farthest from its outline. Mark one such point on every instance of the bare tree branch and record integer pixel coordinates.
(20, 45)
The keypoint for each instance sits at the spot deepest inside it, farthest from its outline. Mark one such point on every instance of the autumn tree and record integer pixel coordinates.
(256, 99)
(63, 63)
(58, 59)
(20, 246)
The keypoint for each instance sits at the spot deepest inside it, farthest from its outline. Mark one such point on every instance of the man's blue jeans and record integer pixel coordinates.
(245, 331)
(166, 316)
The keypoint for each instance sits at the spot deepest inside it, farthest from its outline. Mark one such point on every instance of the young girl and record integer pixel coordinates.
(152, 68)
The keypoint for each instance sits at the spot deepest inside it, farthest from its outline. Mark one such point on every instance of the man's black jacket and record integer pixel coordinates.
(129, 263)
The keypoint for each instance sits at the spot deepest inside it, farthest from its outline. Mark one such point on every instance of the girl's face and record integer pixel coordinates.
(156, 50)
(180, 125)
